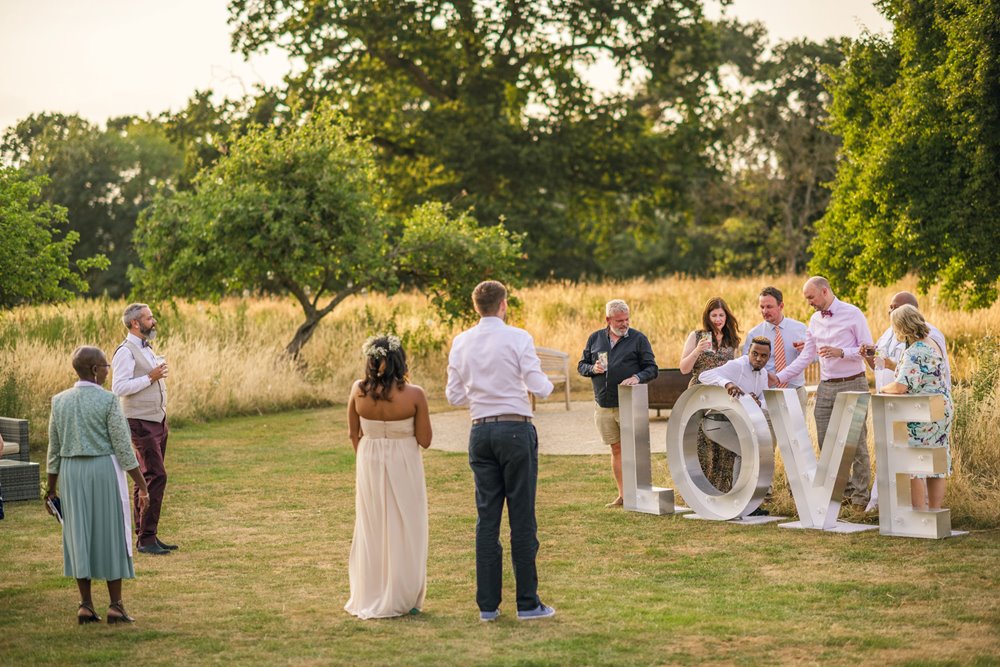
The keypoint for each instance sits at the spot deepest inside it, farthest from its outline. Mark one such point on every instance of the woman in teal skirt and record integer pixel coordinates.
(89, 451)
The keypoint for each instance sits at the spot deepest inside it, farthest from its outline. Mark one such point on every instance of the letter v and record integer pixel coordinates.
(815, 484)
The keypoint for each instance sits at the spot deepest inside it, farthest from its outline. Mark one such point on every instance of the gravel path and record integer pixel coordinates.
(560, 431)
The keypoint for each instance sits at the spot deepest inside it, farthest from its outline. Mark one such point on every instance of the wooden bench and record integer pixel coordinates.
(555, 364)
(666, 388)
(812, 378)
(18, 476)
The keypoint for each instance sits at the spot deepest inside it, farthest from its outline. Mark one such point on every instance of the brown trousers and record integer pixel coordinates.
(149, 439)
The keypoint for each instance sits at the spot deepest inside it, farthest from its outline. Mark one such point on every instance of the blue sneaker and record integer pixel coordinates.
(487, 616)
(541, 611)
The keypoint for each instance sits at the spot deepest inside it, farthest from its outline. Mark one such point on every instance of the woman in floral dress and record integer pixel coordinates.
(710, 347)
(919, 371)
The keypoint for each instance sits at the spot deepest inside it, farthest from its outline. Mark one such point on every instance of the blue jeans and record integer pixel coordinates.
(504, 461)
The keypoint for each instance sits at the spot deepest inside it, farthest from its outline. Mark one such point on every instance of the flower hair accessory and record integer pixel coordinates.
(372, 350)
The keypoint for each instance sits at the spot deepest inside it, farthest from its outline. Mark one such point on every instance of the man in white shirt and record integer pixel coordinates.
(139, 383)
(784, 333)
(492, 368)
(889, 349)
(743, 375)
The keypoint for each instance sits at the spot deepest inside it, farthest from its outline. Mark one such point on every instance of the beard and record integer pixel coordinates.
(619, 332)
(149, 333)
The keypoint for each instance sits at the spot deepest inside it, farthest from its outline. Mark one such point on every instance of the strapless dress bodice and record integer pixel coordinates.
(377, 428)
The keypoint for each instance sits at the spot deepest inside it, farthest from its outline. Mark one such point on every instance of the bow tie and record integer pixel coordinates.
(145, 343)
(826, 313)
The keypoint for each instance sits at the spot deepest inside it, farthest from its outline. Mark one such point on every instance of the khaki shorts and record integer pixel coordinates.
(608, 422)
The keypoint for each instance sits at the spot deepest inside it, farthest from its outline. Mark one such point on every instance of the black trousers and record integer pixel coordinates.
(504, 461)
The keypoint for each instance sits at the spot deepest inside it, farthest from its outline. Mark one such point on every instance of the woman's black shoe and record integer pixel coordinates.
(122, 615)
(92, 618)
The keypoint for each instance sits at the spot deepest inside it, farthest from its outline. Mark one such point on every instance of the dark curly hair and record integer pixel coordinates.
(380, 380)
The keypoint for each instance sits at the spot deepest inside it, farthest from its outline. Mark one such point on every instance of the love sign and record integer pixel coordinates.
(817, 485)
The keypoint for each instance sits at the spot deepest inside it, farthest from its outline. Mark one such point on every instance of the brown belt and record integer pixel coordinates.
(847, 379)
(502, 418)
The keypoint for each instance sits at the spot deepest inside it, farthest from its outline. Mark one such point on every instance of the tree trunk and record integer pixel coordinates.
(313, 316)
(303, 334)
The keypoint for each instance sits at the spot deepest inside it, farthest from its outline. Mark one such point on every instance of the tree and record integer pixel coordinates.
(34, 261)
(486, 105)
(300, 211)
(918, 187)
(201, 129)
(102, 177)
(781, 157)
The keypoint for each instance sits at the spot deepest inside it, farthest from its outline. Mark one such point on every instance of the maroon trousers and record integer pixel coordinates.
(149, 439)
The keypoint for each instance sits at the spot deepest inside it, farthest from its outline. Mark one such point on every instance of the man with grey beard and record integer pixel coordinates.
(139, 382)
(615, 355)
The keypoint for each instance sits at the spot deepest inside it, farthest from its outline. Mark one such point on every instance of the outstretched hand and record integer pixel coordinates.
(772, 380)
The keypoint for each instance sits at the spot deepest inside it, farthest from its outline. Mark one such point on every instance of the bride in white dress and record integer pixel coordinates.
(389, 422)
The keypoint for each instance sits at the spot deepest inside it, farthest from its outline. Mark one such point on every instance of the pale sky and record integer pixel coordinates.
(105, 58)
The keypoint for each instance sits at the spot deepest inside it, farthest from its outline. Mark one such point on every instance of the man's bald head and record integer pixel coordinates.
(902, 299)
(819, 282)
(818, 293)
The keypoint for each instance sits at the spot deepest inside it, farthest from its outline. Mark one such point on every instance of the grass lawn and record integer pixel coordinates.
(263, 510)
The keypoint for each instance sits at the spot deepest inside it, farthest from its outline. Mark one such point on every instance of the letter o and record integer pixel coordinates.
(748, 425)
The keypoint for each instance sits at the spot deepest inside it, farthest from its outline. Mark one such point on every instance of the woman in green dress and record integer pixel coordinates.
(89, 451)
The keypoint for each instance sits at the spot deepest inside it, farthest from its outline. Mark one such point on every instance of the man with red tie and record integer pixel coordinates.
(838, 334)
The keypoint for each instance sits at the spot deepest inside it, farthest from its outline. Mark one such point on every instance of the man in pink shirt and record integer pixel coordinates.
(837, 334)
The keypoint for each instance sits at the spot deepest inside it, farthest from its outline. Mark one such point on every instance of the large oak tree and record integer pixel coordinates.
(488, 104)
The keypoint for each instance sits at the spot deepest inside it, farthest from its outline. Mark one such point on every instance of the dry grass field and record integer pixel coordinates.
(227, 359)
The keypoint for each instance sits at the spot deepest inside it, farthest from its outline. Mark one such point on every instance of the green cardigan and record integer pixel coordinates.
(88, 421)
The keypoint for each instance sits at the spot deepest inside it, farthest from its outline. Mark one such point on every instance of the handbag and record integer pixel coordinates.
(56, 506)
